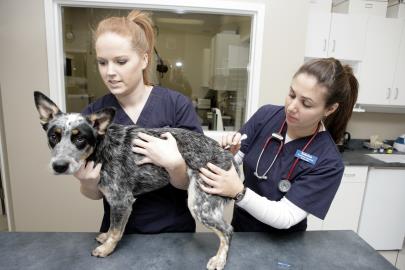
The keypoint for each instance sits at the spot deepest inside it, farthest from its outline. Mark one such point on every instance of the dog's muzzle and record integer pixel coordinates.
(60, 166)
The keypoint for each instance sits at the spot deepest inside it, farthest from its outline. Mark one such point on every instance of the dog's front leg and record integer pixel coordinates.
(118, 220)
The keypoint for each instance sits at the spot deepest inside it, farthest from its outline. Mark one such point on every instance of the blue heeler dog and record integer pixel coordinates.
(74, 139)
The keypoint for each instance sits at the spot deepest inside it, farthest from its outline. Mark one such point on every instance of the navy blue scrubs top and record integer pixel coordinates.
(165, 209)
(313, 186)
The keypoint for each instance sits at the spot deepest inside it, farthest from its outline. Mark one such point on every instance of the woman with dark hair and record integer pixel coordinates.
(291, 164)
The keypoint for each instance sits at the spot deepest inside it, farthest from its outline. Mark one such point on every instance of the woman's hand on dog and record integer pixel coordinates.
(221, 182)
(162, 151)
(231, 141)
(89, 176)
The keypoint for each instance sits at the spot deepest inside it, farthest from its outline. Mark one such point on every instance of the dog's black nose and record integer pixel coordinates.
(60, 166)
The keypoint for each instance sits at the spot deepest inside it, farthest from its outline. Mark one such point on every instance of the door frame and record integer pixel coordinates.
(53, 23)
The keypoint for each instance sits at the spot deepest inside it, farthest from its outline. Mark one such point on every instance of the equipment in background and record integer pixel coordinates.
(161, 67)
(399, 143)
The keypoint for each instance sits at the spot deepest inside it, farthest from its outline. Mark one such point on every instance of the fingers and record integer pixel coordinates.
(215, 169)
(139, 150)
(92, 172)
(231, 140)
(235, 139)
(97, 169)
(143, 161)
(210, 190)
(208, 181)
(146, 137)
(88, 171)
(167, 136)
(208, 174)
(139, 142)
(210, 186)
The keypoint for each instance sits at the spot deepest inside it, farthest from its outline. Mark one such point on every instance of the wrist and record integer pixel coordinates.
(177, 163)
(239, 195)
(91, 193)
(89, 185)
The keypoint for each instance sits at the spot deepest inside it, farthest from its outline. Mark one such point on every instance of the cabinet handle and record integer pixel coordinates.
(368, 5)
(349, 175)
(389, 93)
(324, 44)
(334, 45)
(396, 93)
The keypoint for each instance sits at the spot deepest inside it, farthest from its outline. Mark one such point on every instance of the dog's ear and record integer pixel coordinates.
(47, 108)
(101, 119)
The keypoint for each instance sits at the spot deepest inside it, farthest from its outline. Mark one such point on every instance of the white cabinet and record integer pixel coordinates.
(347, 36)
(382, 221)
(344, 212)
(227, 50)
(369, 7)
(396, 9)
(317, 34)
(377, 70)
(335, 35)
(398, 88)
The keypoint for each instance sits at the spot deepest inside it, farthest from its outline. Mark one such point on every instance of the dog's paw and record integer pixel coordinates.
(100, 251)
(102, 237)
(216, 263)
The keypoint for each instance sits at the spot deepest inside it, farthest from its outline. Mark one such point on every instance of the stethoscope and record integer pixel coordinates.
(285, 184)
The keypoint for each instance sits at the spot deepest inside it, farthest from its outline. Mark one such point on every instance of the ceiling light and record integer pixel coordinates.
(180, 21)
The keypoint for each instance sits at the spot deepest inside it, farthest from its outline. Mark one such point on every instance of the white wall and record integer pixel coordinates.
(41, 202)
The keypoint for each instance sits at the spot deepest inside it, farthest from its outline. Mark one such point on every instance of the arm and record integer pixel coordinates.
(163, 152)
(281, 215)
(178, 175)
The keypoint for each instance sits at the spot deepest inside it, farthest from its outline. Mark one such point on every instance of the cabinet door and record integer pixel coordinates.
(376, 73)
(382, 221)
(398, 96)
(317, 34)
(344, 213)
(314, 223)
(347, 36)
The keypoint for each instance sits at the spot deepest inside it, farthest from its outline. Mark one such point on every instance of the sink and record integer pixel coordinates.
(389, 158)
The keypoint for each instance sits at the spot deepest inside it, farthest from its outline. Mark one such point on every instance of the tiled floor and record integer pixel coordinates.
(395, 257)
(401, 259)
(3, 223)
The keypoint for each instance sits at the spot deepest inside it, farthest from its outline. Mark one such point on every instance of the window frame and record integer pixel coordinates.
(53, 24)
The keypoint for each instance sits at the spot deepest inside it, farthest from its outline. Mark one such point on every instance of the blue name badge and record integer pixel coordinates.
(306, 157)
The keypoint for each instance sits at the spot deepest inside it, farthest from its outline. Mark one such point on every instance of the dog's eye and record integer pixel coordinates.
(53, 137)
(80, 139)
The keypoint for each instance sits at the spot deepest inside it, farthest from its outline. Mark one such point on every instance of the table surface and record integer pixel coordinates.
(304, 250)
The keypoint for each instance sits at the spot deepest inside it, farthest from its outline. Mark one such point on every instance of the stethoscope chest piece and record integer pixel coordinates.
(284, 185)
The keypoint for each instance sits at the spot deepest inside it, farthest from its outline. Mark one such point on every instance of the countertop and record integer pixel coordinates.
(303, 250)
(356, 155)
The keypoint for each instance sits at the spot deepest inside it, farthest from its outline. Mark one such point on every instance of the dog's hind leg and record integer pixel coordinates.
(209, 210)
(118, 220)
(219, 260)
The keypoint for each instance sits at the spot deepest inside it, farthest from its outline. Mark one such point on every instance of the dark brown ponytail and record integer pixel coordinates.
(342, 88)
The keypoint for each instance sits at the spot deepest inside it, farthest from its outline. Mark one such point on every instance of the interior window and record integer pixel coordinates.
(203, 56)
